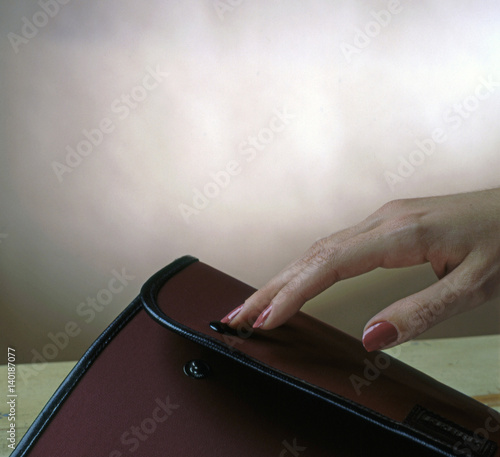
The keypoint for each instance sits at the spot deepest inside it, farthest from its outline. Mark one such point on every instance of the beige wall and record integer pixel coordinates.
(354, 114)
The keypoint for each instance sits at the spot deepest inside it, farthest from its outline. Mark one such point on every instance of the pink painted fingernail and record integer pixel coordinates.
(231, 315)
(379, 335)
(263, 317)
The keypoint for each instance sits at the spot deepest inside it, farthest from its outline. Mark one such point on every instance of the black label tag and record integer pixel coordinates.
(462, 442)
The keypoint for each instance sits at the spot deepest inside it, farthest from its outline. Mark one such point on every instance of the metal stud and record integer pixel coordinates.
(197, 369)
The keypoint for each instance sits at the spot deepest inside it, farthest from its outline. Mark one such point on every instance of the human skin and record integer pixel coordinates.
(459, 235)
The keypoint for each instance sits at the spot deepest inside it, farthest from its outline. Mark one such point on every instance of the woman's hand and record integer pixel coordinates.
(458, 234)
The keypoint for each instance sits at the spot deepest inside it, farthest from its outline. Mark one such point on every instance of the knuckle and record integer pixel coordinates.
(321, 253)
(319, 245)
(411, 223)
(395, 215)
(409, 226)
(393, 206)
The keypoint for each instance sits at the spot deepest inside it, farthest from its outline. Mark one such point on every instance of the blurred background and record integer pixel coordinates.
(239, 132)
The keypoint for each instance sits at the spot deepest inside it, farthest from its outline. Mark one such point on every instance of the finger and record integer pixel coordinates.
(328, 264)
(257, 302)
(351, 258)
(413, 315)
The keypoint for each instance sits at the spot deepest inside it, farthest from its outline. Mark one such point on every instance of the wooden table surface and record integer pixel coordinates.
(470, 365)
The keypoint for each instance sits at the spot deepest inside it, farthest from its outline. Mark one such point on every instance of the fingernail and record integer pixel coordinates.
(231, 315)
(379, 336)
(263, 317)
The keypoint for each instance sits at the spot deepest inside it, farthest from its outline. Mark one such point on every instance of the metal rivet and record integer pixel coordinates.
(197, 369)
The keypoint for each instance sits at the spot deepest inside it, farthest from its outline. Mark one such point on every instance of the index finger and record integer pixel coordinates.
(328, 261)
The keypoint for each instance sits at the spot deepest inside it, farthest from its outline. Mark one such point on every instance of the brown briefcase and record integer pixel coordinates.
(164, 379)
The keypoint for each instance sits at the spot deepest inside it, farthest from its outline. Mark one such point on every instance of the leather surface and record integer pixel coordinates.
(312, 351)
(132, 397)
(233, 412)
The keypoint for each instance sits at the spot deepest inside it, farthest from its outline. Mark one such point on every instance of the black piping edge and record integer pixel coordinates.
(49, 411)
(147, 299)
(149, 293)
